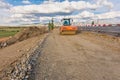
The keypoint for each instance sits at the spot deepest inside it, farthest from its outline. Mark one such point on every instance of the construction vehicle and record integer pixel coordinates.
(67, 27)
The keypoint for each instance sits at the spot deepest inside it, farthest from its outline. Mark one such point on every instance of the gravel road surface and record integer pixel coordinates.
(78, 57)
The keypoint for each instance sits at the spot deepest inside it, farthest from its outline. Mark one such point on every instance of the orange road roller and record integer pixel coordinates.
(67, 27)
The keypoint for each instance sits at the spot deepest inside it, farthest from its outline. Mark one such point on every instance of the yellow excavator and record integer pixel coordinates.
(67, 27)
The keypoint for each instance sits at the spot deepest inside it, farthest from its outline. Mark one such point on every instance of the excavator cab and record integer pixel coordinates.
(67, 27)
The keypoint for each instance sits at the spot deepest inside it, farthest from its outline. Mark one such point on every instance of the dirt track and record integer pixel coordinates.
(78, 57)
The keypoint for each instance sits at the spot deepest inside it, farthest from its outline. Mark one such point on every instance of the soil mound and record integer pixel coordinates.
(24, 34)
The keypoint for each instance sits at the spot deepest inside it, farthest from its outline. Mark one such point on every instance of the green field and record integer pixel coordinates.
(9, 31)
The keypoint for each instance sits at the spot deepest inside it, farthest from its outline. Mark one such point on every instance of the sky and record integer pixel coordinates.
(18, 12)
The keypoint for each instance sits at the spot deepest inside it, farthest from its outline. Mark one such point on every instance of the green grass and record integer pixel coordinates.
(6, 32)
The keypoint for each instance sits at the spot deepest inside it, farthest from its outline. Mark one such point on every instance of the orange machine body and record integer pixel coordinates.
(68, 28)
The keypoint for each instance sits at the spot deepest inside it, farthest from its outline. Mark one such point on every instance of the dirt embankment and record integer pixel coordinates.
(23, 35)
(102, 36)
(108, 41)
(4, 39)
(15, 59)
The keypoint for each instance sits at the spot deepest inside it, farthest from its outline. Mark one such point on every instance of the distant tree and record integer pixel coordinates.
(52, 24)
(49, 25)
(92, 23)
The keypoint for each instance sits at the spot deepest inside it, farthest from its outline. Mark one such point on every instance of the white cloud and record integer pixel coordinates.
(85, 14)
(4, 12)
(109, 15)
(4, 5)
(58, 10)
(58, 7)
(105, 3)
(26, 2)
(78, 17)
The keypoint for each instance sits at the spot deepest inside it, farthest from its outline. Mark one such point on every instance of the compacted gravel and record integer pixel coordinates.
(84, 56)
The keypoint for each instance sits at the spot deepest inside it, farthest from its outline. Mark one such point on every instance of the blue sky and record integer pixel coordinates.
(19, 2)
(116, 4)
(38, 11)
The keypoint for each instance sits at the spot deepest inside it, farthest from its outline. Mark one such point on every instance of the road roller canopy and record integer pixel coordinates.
(66, 21)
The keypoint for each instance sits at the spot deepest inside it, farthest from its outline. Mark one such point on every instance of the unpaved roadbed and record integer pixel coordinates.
(78, 57)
